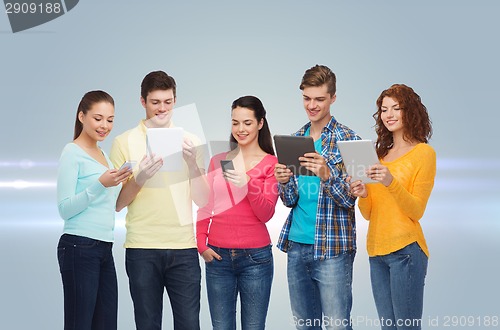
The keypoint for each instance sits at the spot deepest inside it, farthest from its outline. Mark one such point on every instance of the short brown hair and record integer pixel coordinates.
(320, 75)
(157, 80)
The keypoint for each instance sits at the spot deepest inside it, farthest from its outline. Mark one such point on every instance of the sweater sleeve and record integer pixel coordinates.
(413, 203)
(69, 202)
(204, 214)
(365, 204)
(263, 194)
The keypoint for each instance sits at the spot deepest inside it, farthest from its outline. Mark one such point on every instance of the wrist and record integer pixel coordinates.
(388, 183)
(325, 177)
(101, 181)
(140, 181)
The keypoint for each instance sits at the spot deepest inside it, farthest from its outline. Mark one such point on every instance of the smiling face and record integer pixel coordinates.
(98, 121)
(317, 102)
(391, 116)
(159, 106)
(245, 127)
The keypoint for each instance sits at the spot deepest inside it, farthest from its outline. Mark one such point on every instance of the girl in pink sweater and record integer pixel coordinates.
(231, 230)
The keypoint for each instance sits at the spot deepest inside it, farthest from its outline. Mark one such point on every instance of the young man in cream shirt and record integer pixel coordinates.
(160, 244)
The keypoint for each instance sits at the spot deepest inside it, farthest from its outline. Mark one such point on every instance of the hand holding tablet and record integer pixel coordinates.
(290, 148)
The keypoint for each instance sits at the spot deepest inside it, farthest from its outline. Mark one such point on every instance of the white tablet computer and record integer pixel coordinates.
(358, 156)
(166, 143)
(289, 148)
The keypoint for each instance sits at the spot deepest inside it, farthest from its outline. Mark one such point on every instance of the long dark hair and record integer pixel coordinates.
(254, 104)
(88, 100)
(416, 122)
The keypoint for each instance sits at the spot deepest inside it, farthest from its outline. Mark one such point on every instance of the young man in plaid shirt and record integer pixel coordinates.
(319, 234)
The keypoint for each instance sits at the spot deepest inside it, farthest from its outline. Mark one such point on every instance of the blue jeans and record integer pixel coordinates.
(320, 290)
(248, 272)
(89, 283)
(150, 272)
(398, 287)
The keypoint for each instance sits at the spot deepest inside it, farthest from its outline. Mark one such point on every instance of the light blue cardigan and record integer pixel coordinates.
(87, 207)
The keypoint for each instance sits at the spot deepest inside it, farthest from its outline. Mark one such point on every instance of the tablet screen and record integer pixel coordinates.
(289, 148)
(166, 143)
(358, 156)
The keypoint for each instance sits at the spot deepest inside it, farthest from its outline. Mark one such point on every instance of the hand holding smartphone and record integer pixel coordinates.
(128, 165)
(226, 164)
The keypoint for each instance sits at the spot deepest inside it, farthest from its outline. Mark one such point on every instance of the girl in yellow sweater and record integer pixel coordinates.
(395, 241)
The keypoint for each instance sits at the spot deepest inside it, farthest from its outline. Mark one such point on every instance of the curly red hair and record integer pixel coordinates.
(416, 122)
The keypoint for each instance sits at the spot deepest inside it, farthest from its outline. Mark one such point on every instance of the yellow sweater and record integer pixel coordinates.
(394, 212)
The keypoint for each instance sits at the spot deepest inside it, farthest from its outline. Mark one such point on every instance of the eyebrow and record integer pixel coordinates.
(98, 114)
(248, 119)
(392, 106)
(316, 98)
(158, 100)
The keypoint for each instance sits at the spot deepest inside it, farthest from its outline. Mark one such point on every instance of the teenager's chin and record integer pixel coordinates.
(159, 122)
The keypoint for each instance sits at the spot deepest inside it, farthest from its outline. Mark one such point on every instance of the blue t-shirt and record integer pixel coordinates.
(304, 213)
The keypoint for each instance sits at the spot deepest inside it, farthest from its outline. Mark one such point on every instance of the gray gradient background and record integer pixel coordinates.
(219, 50)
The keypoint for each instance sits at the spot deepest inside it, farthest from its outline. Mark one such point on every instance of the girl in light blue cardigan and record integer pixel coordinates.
(87, 188)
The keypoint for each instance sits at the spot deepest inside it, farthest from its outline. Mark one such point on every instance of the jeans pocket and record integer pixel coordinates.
(87, 244)
(261, 256)
(83, 242)
(64, 256)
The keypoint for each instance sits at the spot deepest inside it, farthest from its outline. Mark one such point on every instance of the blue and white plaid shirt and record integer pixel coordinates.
(335, 231)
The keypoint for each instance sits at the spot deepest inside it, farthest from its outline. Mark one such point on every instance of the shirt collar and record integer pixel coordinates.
(143, 127)
(330, 126)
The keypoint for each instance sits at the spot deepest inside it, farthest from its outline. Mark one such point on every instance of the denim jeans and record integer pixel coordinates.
(248, 272)
(89, 283)
(150, 272)
(398, 287)
(320, 290)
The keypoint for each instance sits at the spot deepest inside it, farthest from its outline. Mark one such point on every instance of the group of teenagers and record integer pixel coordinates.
(163, 243)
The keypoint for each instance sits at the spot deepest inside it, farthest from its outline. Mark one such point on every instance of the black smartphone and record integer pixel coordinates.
(226, 165)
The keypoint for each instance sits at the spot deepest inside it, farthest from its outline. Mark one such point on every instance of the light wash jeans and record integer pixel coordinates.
(320, 290)
(247, 272)
(398, 287)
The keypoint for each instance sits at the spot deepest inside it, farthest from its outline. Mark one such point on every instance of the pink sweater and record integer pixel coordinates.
(235, 217)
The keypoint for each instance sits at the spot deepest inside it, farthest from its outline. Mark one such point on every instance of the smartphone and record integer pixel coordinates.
(226, 165)
(128, 164)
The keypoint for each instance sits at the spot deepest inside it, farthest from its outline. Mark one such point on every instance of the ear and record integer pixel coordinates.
(334, 97)
(80, 116)
(143, 102)
(261, 123)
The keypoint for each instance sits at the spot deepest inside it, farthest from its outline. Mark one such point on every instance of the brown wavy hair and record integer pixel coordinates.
(416, 122)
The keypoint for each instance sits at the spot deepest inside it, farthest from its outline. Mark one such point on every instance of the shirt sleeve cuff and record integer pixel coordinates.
(96, 189)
